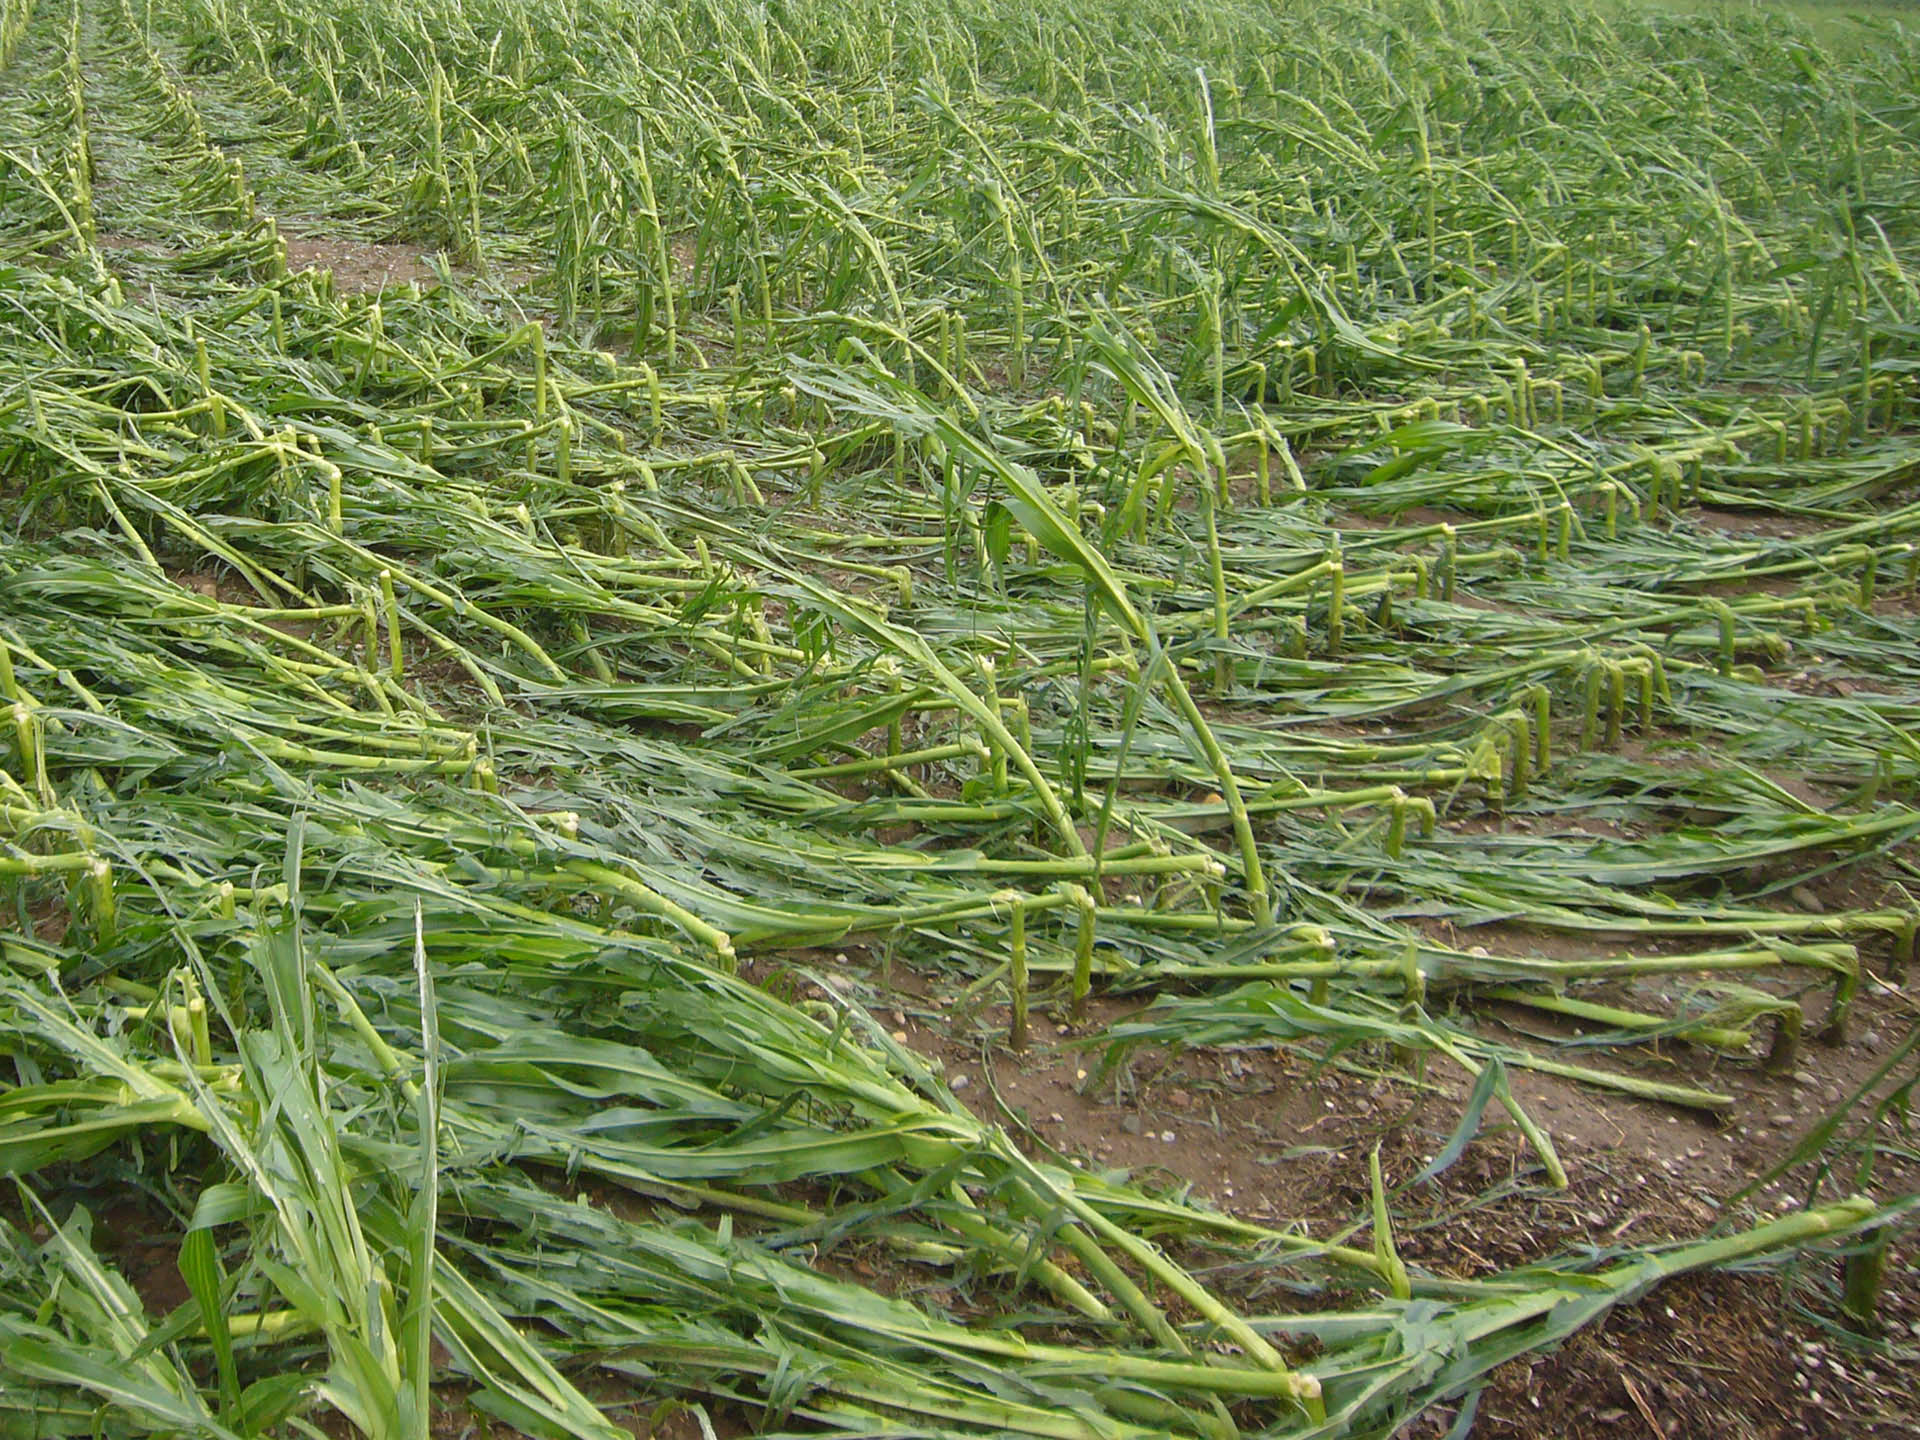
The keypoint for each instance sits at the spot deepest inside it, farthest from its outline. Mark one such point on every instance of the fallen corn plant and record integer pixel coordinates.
(525, 523)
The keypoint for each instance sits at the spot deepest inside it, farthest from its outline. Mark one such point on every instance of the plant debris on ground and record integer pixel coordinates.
(1078, 720)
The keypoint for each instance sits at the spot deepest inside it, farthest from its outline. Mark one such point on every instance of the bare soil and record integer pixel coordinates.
(1268, 1136)
(359, 267)
(1755, 524)
(1706, 1357)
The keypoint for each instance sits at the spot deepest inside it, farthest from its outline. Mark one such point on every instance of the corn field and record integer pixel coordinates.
(1197, 505)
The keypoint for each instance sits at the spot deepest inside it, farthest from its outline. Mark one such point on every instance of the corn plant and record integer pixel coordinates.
(1177, 504)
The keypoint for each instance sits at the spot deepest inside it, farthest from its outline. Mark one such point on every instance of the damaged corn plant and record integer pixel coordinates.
(523, 518)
